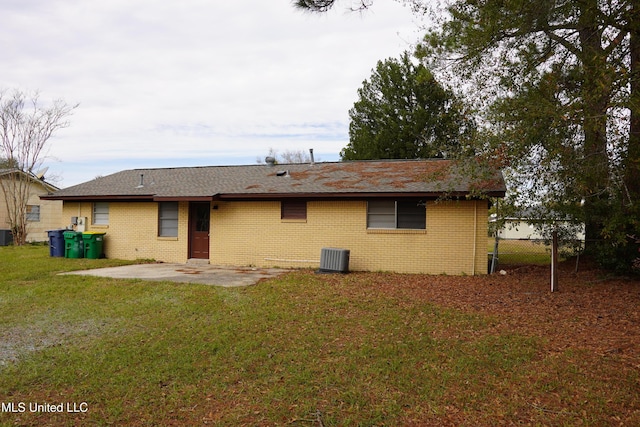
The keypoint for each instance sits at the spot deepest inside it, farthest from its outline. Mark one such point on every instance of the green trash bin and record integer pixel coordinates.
(73, 245)
(93, 244)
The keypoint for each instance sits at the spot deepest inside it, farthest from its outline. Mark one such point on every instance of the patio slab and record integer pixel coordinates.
(186, 273)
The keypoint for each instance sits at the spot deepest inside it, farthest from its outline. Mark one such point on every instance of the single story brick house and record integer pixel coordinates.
(41, 215)
(389, 214)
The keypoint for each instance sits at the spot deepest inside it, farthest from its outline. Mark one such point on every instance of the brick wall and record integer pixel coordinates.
(50, 218)
(132, 232)
(50, 215)
(252, 233)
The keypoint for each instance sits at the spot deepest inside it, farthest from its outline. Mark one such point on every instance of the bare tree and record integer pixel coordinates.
(25, 129)
(325, 5)
(288, 156)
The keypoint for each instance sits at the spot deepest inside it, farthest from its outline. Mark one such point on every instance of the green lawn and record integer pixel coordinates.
(524, 252)
(300, 350)
(520, 252)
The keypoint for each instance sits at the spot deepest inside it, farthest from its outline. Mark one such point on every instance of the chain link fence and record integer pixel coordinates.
(508, 253)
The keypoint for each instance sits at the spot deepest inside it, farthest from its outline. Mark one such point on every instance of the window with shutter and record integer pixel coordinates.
(33, 213)
(293, 210)
(168, 219)
(391, 214)
(101, 213)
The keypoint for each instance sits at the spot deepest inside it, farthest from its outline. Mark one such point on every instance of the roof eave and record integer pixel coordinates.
(127, 198)
(356, 195)
(280, 196)
(183, 198)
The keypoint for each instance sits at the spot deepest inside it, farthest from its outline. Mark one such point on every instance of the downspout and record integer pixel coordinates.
(475, 235)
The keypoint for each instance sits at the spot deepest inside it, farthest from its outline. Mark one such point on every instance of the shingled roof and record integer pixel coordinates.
(30, 176)
(380, 178)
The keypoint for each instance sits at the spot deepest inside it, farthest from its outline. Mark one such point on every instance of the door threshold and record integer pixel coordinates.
(198, 261)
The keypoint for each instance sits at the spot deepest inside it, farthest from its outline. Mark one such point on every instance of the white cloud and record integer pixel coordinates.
(176, 81)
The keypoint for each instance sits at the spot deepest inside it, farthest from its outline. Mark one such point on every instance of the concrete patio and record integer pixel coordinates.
(187, 273)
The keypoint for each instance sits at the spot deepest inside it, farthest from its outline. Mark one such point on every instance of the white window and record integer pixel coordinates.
(396, 214)
(101, 213)
(33, 213)
(168, 219)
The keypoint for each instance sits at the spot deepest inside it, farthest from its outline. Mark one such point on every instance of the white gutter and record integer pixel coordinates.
(475, 235)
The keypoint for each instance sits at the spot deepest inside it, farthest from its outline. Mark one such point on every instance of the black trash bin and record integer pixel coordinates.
(6, 237)
(56, 243)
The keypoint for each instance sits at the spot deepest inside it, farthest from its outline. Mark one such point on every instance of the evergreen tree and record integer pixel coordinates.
(564, 81)
(560, 85)
(404, 113)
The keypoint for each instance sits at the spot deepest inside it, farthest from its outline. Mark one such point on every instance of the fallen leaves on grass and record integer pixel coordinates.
(591, 311)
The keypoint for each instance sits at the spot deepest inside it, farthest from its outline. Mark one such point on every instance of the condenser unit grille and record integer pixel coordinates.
(334, 260)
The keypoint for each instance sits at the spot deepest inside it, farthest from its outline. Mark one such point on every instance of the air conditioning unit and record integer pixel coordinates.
(334, 260)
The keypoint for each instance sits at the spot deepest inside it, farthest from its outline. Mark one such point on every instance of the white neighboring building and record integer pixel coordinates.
(527, 228)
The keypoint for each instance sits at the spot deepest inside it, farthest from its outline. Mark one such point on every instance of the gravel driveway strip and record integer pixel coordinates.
(187, 273)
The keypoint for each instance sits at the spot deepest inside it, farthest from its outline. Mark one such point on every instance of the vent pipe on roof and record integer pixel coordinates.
(311, 154)
(270, 161)
(141, 181)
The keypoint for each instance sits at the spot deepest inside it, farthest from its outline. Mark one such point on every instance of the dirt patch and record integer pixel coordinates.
(19, 341)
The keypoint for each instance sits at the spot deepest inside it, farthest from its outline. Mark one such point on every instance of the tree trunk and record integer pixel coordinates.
(596, 95)
(632, 164)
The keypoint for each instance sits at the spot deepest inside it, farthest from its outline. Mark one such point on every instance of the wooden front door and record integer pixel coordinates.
(199, 229)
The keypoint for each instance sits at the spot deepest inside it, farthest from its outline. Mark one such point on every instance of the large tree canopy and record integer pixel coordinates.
(565, 110)
(404, 113)
(559, 86)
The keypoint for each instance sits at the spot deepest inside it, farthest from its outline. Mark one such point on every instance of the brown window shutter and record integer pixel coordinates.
(293, 210)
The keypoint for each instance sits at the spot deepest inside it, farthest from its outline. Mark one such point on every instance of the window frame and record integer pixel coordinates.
(389, 214)
(33, 213)
(100, 216)
(167, 223)
(295, 210)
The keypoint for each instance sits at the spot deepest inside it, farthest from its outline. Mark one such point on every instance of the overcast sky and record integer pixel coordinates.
(194, 82)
